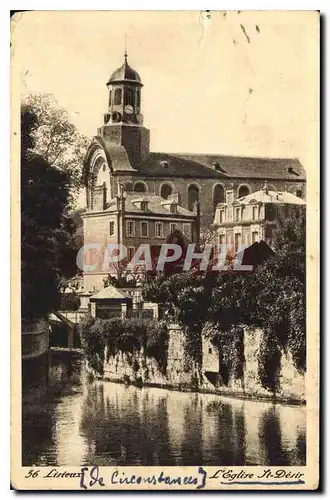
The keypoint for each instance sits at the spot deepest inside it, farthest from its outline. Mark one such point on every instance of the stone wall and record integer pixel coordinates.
(182, 372)
(137, 367)
(291, 382)
(133, 368)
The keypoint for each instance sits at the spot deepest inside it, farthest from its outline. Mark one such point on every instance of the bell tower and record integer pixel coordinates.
(123, 122)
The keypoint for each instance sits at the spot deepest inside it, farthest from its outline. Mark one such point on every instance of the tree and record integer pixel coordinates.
(272, 298)
(290, 236)
(46, 231)
(56, 139)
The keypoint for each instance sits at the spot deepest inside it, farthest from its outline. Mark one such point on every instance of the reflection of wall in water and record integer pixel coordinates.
(129, 425)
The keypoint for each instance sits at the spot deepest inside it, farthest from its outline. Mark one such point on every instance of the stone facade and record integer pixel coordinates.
(183, 373)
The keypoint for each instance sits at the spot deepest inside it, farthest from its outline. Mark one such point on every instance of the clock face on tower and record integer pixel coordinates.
(129, 109)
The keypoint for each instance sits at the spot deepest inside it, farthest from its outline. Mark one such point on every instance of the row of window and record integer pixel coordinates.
(130, 97)
(249, 239)
(144, 228)
(193, 192)
(239, 214)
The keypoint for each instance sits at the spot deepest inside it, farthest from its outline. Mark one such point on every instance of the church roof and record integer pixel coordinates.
(221, 166)
(125, 74)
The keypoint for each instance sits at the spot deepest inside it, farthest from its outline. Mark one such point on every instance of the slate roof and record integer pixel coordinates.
(155, 206)
(172, 165)
(202, 165)
(267, 196)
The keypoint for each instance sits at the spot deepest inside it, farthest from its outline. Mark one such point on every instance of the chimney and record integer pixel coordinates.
(197, 210)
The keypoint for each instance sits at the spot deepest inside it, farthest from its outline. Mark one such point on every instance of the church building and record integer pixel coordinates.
(119, 156)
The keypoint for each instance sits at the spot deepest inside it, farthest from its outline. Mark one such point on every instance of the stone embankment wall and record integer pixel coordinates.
(182, 372)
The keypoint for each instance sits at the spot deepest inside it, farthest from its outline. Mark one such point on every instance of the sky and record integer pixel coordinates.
(206, 88)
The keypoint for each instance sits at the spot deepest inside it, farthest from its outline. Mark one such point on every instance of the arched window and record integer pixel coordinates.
(118, 93)
(129, 97)
(193, 196)
(138, 98)
(110, 92)
(140, 187)
(243, 191)
(218, 196)
(165, 191)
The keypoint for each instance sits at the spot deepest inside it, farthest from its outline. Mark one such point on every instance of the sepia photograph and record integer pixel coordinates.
(167, 174)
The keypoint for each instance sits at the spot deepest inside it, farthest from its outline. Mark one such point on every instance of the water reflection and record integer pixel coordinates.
(103, 423)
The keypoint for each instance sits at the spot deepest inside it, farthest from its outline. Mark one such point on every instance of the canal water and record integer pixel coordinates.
(80, 422)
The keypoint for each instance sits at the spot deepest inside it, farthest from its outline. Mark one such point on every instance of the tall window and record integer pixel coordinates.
(112, 228)
(118, 94)
(130, 228)
(222, 239)
(144, 205)
(138, 98)
(221, 216)
(218, 196)
(237, 211)
(140, 187)
(130, 253)
(254, 213)
(144, 229)
(187, 229)
(165, 191)
(159, 229)
(237, 240)
(173, 227)
(255, 236)
(243, 191)
(193, 196)
(173, 208)
(110, 92)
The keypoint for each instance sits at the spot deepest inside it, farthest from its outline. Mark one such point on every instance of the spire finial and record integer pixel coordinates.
(125, 54)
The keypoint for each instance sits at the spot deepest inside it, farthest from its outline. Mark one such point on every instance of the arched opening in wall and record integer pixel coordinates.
(140, 187)
(129, 97)
(218, 196)
(118, 94)
(166, 191)
(138, 98)
(243, 191)
(299, 193)
(193, 196)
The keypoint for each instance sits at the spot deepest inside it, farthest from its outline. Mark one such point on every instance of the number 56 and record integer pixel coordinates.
(33, 473)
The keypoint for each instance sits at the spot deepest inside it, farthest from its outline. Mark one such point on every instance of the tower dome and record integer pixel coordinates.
(125, 74)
